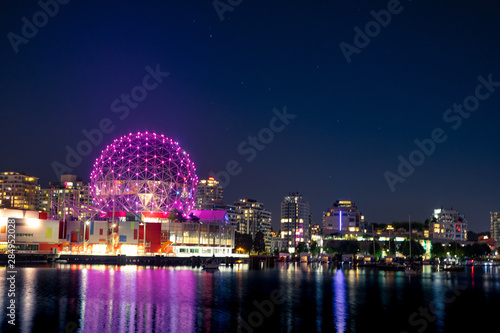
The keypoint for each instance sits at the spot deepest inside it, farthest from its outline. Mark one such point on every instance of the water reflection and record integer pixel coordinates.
(315, 297)
(27, 299)
(340, 301)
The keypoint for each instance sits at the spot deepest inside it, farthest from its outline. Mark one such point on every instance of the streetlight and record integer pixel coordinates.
(390, 228)
(85, 235)
(144, 240)
(112, 239)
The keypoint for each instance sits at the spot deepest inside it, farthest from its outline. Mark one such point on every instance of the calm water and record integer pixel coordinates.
(289, 298)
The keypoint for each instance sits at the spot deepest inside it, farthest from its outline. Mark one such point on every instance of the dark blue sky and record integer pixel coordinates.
(352, 120)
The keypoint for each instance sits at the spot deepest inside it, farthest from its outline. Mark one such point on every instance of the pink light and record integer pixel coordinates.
(148, 146)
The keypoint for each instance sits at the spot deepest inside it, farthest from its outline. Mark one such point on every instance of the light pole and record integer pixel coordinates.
(373, 237)
(112, 240)
(390, 228)
(85, 235)
(144, 239)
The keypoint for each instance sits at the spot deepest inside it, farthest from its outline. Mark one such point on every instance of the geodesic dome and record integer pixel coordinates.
(144, 172)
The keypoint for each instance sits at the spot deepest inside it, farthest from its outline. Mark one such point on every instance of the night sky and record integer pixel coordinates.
(350, 116)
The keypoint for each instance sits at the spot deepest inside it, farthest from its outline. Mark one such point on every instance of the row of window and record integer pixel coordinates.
(202, 251)
(23, 235)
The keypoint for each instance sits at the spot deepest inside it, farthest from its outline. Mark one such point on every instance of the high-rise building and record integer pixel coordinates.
(209, 197)
(448, 224)
(234, 214)
(19, 190)
(209, 191)
(295, 220)
(70, 187)
(342, 217)
(254, 218)
(495, 226)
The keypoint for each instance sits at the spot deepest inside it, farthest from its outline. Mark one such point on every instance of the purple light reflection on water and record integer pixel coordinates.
(315, 298)
(339, 298)
(135, 299)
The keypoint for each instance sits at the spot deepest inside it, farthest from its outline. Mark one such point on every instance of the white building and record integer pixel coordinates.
(254, 218)
(495, 226)
(295, 220)
(32, 233)
(448, 224)
(209, 191)
(18, 190)
(277, 243)
(342, 217)
(316, 235)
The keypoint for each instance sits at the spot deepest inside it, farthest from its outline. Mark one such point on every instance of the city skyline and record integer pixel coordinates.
(210, 198)
(400, 119)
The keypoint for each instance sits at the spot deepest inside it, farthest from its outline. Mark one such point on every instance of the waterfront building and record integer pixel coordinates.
(277, 243)
(448, 224)
(295, 220)
(315, 230)
(70, 189)
(254, 218)
(143, 189)
(495, 226)
(342, 217)
(209, 197)
(210, 233)
(19, 190)
(34, 233)
(234, 214)
(209, 192)
(316, 235)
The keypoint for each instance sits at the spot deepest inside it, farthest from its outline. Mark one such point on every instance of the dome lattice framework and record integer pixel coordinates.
(144, 172)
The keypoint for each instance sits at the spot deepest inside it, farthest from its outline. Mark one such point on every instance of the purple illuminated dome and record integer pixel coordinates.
(144, 172)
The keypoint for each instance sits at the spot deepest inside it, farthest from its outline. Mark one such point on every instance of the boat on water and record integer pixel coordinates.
(391, 266)
(211, 264)
(413, 270)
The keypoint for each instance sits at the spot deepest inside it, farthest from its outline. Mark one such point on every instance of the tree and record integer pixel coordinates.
(417, 249)
(171, 217)
(314, 248)
(194, 218)
(455, 249)
(301, 248)
(348, 247)
(392, 249)
(438, 250)
(378, 249)
(178, 215)
(259, 244)
(476, 250)
(243, 241)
